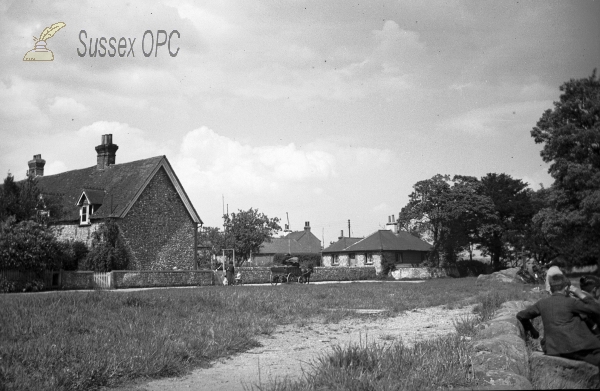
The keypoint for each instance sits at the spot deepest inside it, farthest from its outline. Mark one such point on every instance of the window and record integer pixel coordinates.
(335, 260)
(84, 214)
(368, 259)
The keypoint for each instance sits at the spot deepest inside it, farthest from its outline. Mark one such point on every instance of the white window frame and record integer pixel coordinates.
(368, 259)
(89, 209)
(335, 261)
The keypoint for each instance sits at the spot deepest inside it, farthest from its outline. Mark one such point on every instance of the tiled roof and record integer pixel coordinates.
(385, 240)
(283, 246)
(116, 188)
(341, 244)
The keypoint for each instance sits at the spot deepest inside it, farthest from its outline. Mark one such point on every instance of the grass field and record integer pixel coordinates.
(85, 340)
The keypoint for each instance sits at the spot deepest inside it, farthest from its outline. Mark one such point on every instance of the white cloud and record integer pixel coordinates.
(66, 106)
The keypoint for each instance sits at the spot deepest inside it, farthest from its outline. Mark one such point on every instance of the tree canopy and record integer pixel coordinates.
(569, 223)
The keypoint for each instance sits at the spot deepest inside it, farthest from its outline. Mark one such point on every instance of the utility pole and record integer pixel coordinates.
(349, 232)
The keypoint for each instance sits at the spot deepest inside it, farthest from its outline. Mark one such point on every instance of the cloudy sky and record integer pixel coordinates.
(327, 110)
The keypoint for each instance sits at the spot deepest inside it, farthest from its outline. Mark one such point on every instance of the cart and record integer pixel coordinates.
(288, 272)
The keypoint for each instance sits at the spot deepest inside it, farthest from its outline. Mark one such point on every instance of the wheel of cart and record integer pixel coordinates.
(301, 279)
(274, 279)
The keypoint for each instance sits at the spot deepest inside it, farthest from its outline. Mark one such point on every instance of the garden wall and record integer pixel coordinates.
(119, 279)
(324, 273)
(423, 273)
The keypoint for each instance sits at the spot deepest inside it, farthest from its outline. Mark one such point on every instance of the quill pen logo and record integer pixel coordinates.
(40, 52)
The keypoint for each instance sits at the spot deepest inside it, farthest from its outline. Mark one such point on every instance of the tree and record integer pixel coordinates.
(28, 246)
(24, 201)
(513, 209)
(108, 251)
(245, 231)
(570, 133)
(424, 215)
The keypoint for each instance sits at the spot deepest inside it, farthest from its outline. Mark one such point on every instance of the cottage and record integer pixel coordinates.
(157, 220)
(401, 248)
(298, 242)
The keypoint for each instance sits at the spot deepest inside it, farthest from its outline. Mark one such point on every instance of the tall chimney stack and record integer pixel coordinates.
(36, 166)
(307, 226)
(106, 152)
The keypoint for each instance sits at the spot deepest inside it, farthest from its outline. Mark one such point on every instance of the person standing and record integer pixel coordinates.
(230, 270)
(565, 332)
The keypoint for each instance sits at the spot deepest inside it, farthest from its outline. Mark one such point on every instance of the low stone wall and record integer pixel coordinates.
(502, 362)
(153, 278)
(254, 274)
(423, 273)
(77, 280)
(322, 273)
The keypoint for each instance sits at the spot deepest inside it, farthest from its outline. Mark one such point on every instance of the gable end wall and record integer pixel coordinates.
(158, 230)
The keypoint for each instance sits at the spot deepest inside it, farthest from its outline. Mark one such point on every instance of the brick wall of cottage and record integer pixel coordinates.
(158, 230)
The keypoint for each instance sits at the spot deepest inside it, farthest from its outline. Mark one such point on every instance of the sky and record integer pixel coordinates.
(326, 111)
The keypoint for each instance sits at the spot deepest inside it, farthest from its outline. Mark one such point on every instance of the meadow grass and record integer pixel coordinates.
(86, 340)
(439, 363)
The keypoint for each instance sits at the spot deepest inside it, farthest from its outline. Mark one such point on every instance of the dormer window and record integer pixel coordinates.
(84, 214)
(89, 201)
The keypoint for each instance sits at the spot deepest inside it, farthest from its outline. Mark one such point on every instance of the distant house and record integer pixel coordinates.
(156, 218)
(404, 249)
(298, 242)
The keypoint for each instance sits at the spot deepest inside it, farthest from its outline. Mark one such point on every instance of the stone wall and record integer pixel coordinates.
(77, 280)
(423, 273)
(64, 232)
(254, 274)
(148, 278)
(335, 273)
(158, 230)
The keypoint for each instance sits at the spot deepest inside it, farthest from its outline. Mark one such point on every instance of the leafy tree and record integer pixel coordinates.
(513, 209)
(25, 201)
(28, 246)
(570, 133)
(108, 251)
(245, 231)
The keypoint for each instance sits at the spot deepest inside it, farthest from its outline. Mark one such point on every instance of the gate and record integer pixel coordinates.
(102, 280)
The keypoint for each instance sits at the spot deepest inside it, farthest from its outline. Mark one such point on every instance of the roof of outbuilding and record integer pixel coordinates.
(115, 188)
(385, 240)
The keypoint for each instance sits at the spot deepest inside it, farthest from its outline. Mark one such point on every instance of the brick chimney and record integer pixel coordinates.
(106, 152)
(307, 226)
(36, 166)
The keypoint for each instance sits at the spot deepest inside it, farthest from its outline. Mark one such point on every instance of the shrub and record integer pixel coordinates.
(28, 246)
(468, 268)
(108, 250)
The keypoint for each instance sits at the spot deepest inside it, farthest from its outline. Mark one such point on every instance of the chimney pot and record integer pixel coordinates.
(36, 166)
(106, 152)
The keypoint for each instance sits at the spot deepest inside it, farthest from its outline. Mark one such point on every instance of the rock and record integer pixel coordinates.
(508, 275)
(486, 361)
(506, 380)
(497, 327)
(568, 373)
(510, 345)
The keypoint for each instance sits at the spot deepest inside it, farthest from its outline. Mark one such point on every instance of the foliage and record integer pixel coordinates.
(108, 251)
(245, 231)
(513, 209)
(448, 213)
(28, 246)
(570, 132)
(472, 268)
(24, 201)
(74, 252)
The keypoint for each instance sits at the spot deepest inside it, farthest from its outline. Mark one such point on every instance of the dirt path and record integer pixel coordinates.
(293, 347)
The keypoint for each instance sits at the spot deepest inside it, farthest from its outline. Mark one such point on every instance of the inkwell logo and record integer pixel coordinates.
(40, 52)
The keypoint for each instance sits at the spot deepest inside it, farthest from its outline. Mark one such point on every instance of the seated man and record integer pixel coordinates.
(590, 285)
(565, 333)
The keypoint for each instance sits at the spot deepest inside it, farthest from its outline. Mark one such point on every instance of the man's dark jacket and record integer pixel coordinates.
(564, 329)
